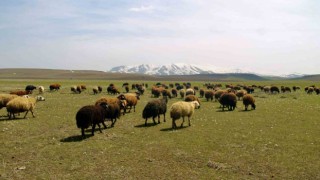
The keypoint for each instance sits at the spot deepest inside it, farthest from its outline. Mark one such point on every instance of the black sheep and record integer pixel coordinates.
(113, 113)
(274, 89)
(155, 108)
(229, 100)
(30, 88)
(91, 115)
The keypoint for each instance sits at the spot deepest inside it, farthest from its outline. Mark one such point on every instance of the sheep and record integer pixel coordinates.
(274, 89)
(91, 115)
(41, 89)
(182, 93)
(166, 92)
(240, 94)
(209, 94)
(218, 94)
(30, 88)
(201, 93)
(229, 100)
(113, 112)
(155, 91)
(191, 98)
(174, 92)
(181, 109)
(95, 90)
(22, 104)
(155, 108)
(132, 100)
(248, 100)
(5, 98)
(310, 90)
(126, 87)
(120, 100)
(55, 86)
(141, 89)
(190, 91)
(266, 89)
(20, 93)
(317, 90)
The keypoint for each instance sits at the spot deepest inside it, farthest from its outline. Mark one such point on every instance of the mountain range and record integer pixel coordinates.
(187, 69)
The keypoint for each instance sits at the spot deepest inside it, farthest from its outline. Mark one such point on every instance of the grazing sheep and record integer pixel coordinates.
(126, 87)
(166, 92)
(100, 89)
(190, 92)
(209, 94)
(218, 94)
(20, 93)
(95, 90)
(266, 89)
(229, 100)
(240, 94)
(5, 98)
(310, 90)
(120, 100)
(30, 88)
(191, 98)
(182, 109)
(274, 89)
(174, 92)
(91, 115)
(155, 108)
(132, 100)
(55, 86)
(22, 104)
(295, 88)
(317, 90)
(182, 93)
(141, 89)
(201, 93)
(155, 91)
(41, 89)
(113, 113)
(248, 100)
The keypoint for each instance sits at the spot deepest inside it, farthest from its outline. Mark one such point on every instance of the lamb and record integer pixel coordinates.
(209, 94)
(5, 98)
(155, 108)
(181, 109)
(91, 115)
(41, 89)
(248, 100)
(229, 100)
(22, 104)
(191, 98)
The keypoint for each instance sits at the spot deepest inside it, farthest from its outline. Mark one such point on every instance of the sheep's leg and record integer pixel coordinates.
(246, 107)
(173, 124)
(104, 125)
(113, 122)
(82, 133)
(93, 128)
(158, 118)
(134, 108)
(32, 114)
(164, 117)
(25, 114)
(153, 118)
(189, 120)
(99, 127)
(182, 122)
(145, 123)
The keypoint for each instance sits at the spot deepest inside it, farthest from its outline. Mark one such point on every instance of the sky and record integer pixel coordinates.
(266, 37)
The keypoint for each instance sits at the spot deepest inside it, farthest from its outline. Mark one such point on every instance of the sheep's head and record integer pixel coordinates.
(40, 98)
(104, 105)
(196, 104)
(121, 97)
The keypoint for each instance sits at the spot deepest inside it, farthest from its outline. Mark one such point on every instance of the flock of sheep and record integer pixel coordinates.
(112, 107)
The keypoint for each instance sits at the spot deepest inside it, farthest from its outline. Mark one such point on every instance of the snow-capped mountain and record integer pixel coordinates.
(173, 69)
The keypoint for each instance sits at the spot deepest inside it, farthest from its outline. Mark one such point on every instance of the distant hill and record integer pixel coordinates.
(25, 73)
(315, 77)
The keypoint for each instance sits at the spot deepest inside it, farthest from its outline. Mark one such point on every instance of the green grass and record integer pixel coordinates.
(280, 139)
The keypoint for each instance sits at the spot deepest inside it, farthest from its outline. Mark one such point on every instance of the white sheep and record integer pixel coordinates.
(22, 104)
(190, 92)
(182, 109)
(41, 89)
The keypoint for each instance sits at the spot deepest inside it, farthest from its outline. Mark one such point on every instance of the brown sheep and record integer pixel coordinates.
(209, 94)
(229, 100)
(132, 101)
(248, 100)
(191, 98)
(218, 94)
(21, 93)
(240, 94)
(201, 93)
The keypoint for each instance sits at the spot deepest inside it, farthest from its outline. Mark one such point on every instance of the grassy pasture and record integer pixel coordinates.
(280, 139)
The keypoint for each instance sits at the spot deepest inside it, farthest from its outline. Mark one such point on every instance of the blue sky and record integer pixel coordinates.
(273, 37)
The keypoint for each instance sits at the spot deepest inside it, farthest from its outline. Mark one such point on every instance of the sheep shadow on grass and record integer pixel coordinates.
(6, 118)
(171, 129)
(76, 138)
(145, 126)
